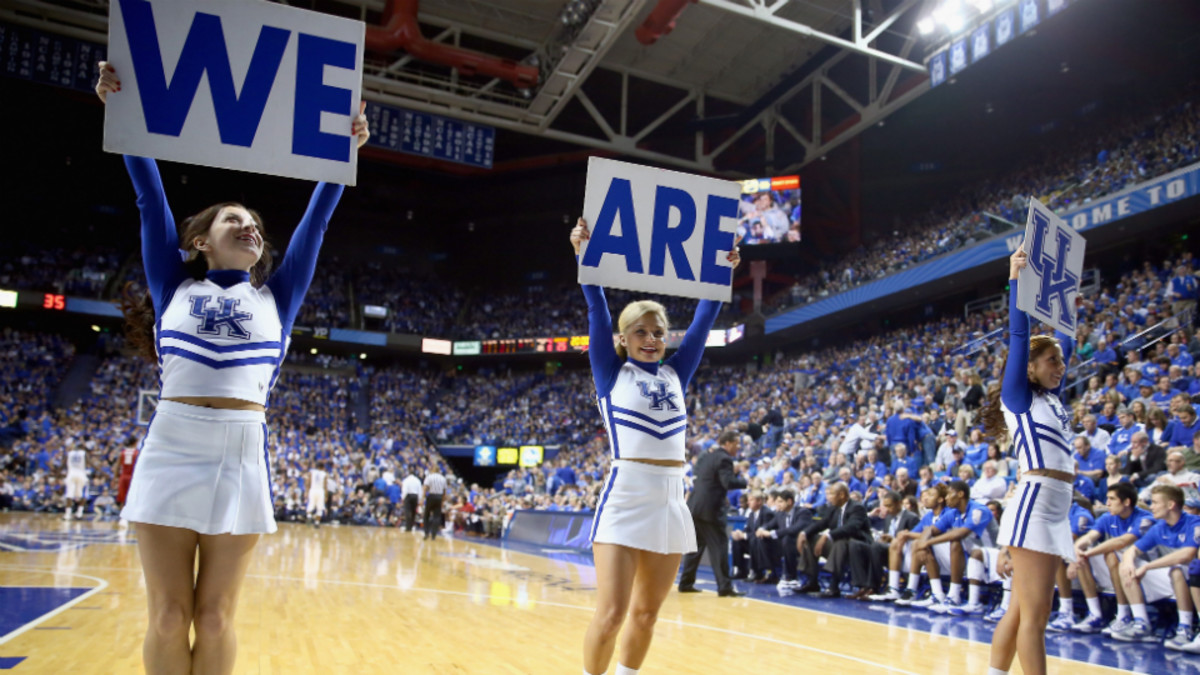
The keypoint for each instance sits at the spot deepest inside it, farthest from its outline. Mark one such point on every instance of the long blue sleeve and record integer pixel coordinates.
(160, 240)
(291, 279)
(601, 353)
(691, 348)
(1015, 392)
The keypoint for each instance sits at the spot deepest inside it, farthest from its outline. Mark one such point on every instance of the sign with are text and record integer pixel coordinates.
(254, 86)
(658, 231)
(1049, 283)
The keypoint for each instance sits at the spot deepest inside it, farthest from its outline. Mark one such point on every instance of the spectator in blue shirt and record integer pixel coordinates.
(1124, 524)
(1105, 356)
(1179, 356)
(1163, 392)
(1182, 431)
(976, 450)
(1169, 545)
(1181, 291)
(1088, 460)
(901, 458)
(1118, 444)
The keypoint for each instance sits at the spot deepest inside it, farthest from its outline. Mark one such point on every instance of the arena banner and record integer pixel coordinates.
(254, 86)
(658, 231)
(1049, 283)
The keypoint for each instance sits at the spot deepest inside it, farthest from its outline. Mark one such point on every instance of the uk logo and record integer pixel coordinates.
(659, 397)
(1057, 281)
(225, 314)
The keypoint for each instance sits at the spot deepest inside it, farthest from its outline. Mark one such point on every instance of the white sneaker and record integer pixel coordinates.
(1092, 623)
(1182, 636)
(890, 595)
(967, 609)
(1137, 631)
(996, 614)
(1116, 626)
(946, 606)
(1061, 622)
(1192, 647)
(927, 602)
(67, 515)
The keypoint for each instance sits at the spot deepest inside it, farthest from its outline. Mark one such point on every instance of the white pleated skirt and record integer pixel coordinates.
(642, 506)
(1037, 518)
(203, 469)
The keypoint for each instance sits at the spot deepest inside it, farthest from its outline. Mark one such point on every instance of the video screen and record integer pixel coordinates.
(769, 212)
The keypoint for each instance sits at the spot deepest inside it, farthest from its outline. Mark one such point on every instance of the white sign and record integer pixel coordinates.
(254, 86)
(658, 231)
(1049, 284)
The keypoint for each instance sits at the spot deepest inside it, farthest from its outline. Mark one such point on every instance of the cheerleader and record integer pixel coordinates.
(642, 525)
(218, 328)
(1035, 529)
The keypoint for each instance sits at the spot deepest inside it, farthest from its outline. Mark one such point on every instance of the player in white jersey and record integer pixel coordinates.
(1034, 530)
(217, 323)
(315, 510)
(76, 482)
(642, 525)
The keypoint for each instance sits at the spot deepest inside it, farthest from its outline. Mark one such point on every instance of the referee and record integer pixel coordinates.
(435, 489)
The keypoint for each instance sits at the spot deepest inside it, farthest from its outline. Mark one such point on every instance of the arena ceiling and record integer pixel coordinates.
(737, 87)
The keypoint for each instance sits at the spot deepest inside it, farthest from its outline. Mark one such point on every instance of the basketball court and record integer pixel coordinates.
(372, 600)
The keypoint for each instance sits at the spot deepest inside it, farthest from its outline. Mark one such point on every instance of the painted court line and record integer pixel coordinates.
(102, 584)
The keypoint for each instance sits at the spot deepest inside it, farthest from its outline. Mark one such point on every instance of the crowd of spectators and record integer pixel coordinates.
(1107, 156)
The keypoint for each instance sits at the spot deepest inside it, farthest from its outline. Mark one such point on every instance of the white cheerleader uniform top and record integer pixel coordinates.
(642, 404)
(1038, 423)
(221, 336)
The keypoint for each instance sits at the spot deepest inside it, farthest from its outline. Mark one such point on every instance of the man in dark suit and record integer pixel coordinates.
(867, 560)
(714, 478)
(750, 555)
(1145, 459)
(790, 520)
(829, 535)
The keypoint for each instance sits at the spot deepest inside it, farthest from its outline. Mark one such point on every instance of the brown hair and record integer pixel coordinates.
(1171, 493)
(992, 414)
(139, 308)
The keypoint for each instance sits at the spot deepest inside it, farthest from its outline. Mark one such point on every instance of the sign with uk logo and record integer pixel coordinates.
(1049, 284)
(254, 86)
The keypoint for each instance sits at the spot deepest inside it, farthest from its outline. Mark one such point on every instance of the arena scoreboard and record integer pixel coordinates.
(560, 344)
(527, 456)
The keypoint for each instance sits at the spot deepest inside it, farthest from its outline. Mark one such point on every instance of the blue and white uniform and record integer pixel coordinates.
(1041, 431)
(642, 505)
(1111, 526)
(207, 469)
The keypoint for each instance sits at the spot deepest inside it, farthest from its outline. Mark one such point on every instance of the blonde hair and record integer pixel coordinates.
(634, 311)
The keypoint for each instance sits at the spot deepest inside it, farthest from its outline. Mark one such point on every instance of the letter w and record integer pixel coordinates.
(166, 106)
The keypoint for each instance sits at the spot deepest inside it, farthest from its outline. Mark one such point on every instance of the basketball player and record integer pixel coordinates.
(642, 525)
(1036, 532)
(316, 493)
(76, 482)
(218, 326)
(128, 459)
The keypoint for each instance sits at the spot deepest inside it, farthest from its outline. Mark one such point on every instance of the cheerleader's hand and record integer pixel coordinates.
(579, 234)
(1017, 261)
(359, 126)
(108, 82)
(735, 255)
